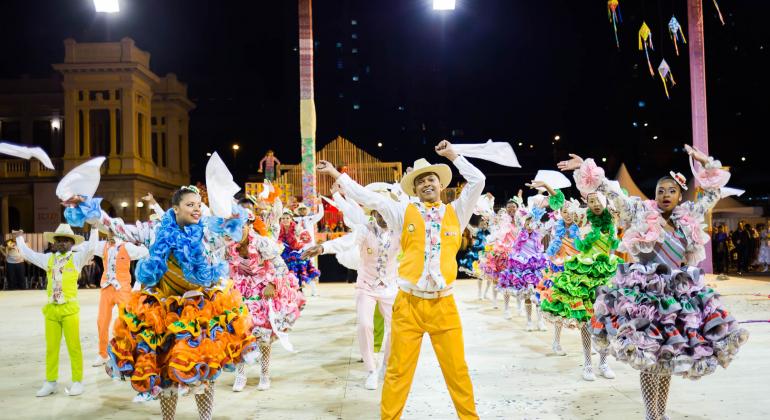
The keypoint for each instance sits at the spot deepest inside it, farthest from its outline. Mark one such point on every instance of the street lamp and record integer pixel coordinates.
(379, 144)
(124, 204)
(236, 148)
(557, 137)
(55, 123)
(106, 6)
(443, 4)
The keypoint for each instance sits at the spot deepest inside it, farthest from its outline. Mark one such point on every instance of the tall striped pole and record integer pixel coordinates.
(307, 117)
(697, 51)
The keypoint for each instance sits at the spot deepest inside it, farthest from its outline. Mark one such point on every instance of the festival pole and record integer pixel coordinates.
(307, 117)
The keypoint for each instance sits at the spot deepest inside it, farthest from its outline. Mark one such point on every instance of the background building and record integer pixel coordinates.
(104, 101)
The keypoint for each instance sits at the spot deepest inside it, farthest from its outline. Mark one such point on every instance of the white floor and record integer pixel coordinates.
(514, 374)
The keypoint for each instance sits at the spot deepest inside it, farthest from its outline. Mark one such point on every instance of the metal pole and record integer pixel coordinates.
(698, 94)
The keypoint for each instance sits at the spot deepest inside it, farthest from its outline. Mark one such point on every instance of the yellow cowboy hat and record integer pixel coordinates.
(422, 166)
(64, 230)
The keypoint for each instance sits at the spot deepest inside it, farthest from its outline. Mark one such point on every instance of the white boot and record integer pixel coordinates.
(371, 381)
(605, 371)
(99, 361)
(530, 326)
(520, 306)
(264, 383)
(240, 378)
(558, 350)
(507, 314)
(47, 389)
(76, 389)
(588, 374)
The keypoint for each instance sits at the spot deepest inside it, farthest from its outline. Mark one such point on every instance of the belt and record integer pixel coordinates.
(428, 295)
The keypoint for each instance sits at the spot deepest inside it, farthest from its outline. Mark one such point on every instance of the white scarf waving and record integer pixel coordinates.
(498, 152)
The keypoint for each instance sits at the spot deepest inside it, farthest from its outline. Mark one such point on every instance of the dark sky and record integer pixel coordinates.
(519, 71)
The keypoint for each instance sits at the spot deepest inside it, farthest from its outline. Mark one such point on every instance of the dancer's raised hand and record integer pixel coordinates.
(326, 168)
(571, 164)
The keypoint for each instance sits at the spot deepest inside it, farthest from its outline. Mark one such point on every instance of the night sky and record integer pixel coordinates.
(399, 73)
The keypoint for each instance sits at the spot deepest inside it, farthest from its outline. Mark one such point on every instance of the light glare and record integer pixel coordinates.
(443, 4)
(106, 6)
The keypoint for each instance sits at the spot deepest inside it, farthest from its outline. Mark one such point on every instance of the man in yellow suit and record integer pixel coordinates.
(431, 235)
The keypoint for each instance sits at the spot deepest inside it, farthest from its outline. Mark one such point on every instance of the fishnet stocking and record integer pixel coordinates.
(557, 334)
(664, 382)
(168, 406)
(481, 284)
(494, 295)
(265, 349)
(649, 383)
(205, 403)
(506, 300)
(585, 337)
(528, 306)
(486, 290)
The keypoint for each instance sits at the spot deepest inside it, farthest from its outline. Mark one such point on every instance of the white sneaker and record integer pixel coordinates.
(530, 326)
(75, 390)
(605, 371)
(99, 361)
(47, 389)
(264, 383)
(541, 325)
(142, 397)
(558, 350)
(588, 374)
(507, 314)
(371, 381)
(240, 382)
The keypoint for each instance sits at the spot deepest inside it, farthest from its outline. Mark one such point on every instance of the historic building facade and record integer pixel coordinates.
(103, 101)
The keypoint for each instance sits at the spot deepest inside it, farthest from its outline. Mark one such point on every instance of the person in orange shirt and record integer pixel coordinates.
(115, 284)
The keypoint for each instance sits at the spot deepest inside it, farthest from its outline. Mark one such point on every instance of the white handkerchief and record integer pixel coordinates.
(81, 180)
(220, 187)
(497, 152)
(554, 179)
(25, 152)
(729, 191)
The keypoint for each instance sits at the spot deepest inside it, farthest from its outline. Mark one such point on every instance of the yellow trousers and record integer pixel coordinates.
(412, 318)
(62, 320)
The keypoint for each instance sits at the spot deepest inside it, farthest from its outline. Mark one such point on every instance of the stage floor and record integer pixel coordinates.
(515, 375)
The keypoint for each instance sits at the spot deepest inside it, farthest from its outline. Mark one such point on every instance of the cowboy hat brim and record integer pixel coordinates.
(50, 236)
(442, 170)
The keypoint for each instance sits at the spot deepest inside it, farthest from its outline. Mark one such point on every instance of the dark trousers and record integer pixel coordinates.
(15, 273)
(743, 259)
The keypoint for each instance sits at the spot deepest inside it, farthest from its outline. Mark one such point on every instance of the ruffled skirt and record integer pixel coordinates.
(304, 270)
(285, 305)
(569, 302)
(665, 321)
(163, 342)
(520, 277)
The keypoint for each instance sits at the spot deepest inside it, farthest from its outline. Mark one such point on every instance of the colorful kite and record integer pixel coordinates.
(677, 35)
(666, 76)
(645, 43)
(613, 13)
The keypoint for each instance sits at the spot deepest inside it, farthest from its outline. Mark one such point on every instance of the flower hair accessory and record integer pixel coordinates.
(679, 178)
(192, 188)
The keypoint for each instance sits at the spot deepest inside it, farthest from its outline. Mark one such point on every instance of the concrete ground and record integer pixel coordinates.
(514, 374)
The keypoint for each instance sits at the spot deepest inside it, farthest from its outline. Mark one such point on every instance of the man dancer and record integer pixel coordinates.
(62, 312)
(376, 281)
(430, 239)
(115, 284)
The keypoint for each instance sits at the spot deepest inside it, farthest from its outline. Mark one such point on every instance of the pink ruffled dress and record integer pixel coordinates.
(251, 275)
(659, 316)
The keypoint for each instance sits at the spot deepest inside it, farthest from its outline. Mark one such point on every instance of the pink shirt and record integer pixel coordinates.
(378, 250)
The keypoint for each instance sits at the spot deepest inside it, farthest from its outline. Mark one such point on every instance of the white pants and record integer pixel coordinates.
(365, 304)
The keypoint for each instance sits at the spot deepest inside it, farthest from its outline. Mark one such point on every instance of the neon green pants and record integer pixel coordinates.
(379, 329)
(62, 320)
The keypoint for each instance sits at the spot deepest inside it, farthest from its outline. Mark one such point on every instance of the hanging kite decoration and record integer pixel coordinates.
(677, 35)
(666, 76)
(613, 13)
(721, 19)
(645, 43)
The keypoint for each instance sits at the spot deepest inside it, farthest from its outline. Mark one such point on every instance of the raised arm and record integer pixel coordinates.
(36, 258)
(391, 211)
(466, 203)
(711, 177)
(87, 249)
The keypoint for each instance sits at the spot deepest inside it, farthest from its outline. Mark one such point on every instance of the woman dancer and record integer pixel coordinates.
(188, 324)
(526, 262)
(269, 290)
(293, 244)
(658, 316)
